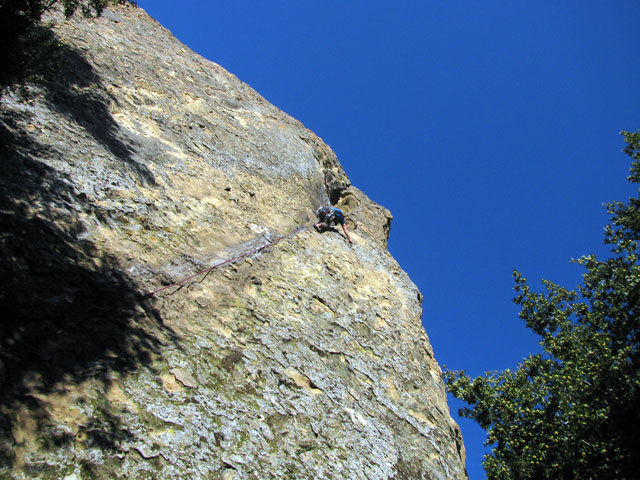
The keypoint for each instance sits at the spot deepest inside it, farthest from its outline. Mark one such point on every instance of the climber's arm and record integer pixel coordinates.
(346, 232)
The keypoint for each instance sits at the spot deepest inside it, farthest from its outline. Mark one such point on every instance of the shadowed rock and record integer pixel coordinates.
(136, 164)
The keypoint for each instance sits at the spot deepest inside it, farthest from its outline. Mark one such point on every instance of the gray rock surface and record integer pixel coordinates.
(134, 166)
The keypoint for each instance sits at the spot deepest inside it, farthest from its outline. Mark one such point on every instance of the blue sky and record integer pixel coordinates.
(489, 129)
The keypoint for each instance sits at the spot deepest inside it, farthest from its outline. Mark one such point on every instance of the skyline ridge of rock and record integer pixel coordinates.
(136, 164)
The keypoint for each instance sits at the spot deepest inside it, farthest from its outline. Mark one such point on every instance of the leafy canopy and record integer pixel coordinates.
(573, 411)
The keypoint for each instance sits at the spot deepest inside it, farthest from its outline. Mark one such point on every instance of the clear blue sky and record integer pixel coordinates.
(489, 129)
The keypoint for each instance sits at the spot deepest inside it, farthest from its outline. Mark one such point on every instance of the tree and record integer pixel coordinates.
(573, 411)
(19, 30)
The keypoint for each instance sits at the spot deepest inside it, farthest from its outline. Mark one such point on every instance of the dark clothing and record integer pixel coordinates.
(331, 216)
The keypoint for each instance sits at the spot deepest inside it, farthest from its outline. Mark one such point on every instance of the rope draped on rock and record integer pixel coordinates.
(229, 261)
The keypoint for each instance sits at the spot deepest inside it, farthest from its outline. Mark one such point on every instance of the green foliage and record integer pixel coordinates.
(21, 32)
(572, 412)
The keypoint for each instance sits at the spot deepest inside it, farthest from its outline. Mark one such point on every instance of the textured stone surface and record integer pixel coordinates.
(137, 165)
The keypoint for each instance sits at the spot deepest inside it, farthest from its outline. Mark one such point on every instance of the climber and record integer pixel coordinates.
(330, 216)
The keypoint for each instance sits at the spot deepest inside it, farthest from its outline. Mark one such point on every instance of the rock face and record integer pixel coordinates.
(134, 166)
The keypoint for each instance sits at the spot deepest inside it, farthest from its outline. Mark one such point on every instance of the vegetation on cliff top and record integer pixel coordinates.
(572, 411)
(22, 36)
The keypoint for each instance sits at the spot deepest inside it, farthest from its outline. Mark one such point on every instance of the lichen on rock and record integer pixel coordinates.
(137, 164)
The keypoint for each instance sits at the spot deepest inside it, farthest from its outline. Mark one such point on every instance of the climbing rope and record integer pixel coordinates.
(228, 261)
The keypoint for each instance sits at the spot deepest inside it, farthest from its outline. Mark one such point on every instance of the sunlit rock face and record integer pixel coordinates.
(136, 165)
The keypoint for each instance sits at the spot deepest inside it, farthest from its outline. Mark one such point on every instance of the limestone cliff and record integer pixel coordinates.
(136, 164)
